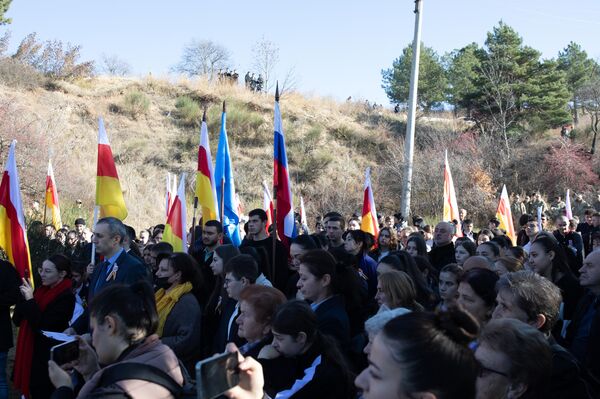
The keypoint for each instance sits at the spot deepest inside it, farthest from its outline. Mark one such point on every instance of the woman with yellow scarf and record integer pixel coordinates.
(179, 312)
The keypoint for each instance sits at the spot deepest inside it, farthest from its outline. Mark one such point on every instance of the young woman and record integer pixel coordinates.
(179, 310)
(416, 245)
(302, 362)
(547, 258)
(124, 321)
(387, 241)
(463, 250)
(484, 236)
(358, 243)
(300, 245)
(258, 304)
(488, 249)
(477, 293)
(395, 289)
(48, 308)
(449, 277)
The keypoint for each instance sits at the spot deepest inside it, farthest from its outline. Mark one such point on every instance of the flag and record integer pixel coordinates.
(52, 198)
(175, 229)
(109, 197)
(268, 205)
(504, 215)
(539, 218)
(451, 212)
(226, 191)
(286, 225)
(303, 219)
(369, 222)
(206, 191)
(171, 192)
(13, 237)
(568, 211)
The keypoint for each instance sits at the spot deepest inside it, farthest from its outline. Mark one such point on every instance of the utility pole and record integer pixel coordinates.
(409, 142)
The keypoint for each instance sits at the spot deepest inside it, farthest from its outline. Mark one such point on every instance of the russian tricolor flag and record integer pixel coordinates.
(286, 226)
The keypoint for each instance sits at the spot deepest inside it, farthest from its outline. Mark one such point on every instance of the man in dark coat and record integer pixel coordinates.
(442, 252)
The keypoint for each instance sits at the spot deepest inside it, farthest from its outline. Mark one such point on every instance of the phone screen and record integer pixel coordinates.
(65, 352)
(216, 375)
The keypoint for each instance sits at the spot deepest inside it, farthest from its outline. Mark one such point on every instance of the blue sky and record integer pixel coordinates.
(337, 48)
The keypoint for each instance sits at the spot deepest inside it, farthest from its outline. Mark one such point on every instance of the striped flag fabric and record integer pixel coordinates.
(226, 186)
(504, 215)
(267, 205)
(286, 226)
(175, 229)
(206, 190)
(303, 218)
(52, 198)
(568, 209)
(109, 196)
(369, 222)
(451, 211)
(171, 192)
(13, 234)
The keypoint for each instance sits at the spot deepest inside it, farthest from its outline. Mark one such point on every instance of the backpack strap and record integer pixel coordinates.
(139, 371)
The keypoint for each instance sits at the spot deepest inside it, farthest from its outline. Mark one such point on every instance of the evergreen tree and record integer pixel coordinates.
(574, 61)
(432, 78)
(4, 4)
(462, 66)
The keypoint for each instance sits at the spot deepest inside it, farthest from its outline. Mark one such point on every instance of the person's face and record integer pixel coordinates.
(77, 279)
(382, 378)
(562, 225)
(255, 225)
(296, 252)
(49, 231)
(105, 244)
(210, 236)
(506, 307)
(384, 238)
(448, 287)
(381, 297)
(72, 239)
(468, 227)
(473, 303)
(463, 214)
(147, 257)
(248, 327)
(482, 238)
(158, 237)
(411, 248)
(590, 271)
(492, 382)
(288, 345)
(165, 270)
(442, 234)
(540, 260)
(351, 246)
(367, 348)
(486, 251)
(144, 237)
(79, 228)
(384, 267)
(531, 229)
(353, 225)
(588, 219)
(461, 255)
(309, 285)
(61, 237)
(49, 275)
(217, 264)
(233, 286)
(334, 231)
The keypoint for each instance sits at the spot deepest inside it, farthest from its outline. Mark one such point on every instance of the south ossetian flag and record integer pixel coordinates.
(109, 196)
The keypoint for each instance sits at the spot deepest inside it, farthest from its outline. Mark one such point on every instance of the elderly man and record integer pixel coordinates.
(442, 252)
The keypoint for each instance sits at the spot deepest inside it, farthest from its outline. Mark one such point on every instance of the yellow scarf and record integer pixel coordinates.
(165, 302)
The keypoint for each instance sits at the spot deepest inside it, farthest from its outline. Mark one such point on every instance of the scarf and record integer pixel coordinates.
(166, 301)
(43, 297)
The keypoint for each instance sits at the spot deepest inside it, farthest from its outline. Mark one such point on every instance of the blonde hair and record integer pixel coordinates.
(400, 290)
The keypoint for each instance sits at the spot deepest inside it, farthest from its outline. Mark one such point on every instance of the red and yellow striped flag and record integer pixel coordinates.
(504, 215)
(206, 190)
(369, 222)
(109, 196)
(175, 230)
(52, 198)
(451, 212)
(13, 237)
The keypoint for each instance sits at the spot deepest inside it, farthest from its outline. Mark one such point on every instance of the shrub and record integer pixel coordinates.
(136, 104)
(188, 111)
(18, 75)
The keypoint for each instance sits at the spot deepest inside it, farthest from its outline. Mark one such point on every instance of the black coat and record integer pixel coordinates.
(591, 358)
(567, 378)
(223, 335)
(441, 256)
(55, 318)
(9, 295)
(333, 321)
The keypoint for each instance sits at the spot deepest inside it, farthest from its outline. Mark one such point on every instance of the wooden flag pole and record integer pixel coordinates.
(193, 225)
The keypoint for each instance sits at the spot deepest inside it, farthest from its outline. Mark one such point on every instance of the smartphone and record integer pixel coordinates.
(217, 374)
(65, 352)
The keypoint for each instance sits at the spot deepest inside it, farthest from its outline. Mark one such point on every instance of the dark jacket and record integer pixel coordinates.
(568, 241)
(282, 271)
(55, 317)
(9, 295)
(224, 335)
(441, 256)
(181, 332)
(566, 380)
(333, 320)
(590, 357)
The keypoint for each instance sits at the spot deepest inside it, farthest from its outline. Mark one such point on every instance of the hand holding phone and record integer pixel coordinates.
(64, 353)
(217, 374)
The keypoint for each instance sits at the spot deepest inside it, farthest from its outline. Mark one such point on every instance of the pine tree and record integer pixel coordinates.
(574, 61)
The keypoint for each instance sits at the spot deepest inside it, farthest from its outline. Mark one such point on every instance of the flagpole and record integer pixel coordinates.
(274, 224)
(222, 204)
(96, 209)
(194, 224)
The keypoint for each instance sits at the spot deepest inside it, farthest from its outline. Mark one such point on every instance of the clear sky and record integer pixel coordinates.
(337, 48)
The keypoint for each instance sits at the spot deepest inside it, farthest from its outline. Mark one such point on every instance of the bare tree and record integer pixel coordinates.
(289, 82)
(266, 57)
(114, 66)
(203, 57)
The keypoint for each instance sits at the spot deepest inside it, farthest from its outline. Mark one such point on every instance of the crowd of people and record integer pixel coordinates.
(417, 311)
